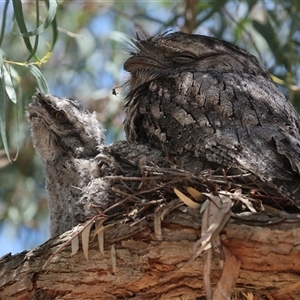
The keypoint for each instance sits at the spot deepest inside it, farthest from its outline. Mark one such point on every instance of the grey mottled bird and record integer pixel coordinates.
(201, 95)
(66, 136)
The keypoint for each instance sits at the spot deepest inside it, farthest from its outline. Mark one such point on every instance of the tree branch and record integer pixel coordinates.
(150, 269)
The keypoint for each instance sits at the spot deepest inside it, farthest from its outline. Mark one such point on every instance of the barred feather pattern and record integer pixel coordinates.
(206, 97)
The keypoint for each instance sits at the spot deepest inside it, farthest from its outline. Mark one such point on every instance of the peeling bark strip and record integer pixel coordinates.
(150, 269)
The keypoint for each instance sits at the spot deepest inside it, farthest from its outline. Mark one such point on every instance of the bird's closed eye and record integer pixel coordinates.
(60, 116)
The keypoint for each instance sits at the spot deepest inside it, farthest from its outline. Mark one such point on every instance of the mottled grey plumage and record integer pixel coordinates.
(204, 96)
(66, 136)
(69, 141)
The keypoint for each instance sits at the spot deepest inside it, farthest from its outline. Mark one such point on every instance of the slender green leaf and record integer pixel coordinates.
(49, 19)
(267, 32)
(54, 25)
(3, 21)
(21, 23)
(36, 40)
(295, 18)
(1, 59)
(41, 81)
(2, 108)
(8, 84)
(2, 116)
(55, 33)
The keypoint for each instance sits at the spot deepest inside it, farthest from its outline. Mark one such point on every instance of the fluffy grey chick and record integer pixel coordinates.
(201, 95)
(66, 137)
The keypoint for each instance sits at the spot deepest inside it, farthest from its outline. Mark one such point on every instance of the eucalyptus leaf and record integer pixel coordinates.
(1, 59)
(49, 19)
(8, 85)
(41, 81)
(19, 16)
(2, 31)
(2, 116)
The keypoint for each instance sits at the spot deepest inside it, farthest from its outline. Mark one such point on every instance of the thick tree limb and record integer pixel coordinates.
(150, 269)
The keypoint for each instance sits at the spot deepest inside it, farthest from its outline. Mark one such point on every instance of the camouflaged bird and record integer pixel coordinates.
(66, 136)
(201, 95)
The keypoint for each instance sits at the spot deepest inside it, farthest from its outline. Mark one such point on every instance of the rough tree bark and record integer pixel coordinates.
(136, 265)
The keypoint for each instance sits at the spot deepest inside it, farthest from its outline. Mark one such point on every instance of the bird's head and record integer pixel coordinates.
(63, 127)
(172, 53)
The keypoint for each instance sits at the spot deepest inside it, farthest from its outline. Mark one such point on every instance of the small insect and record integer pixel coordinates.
(114, 92)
